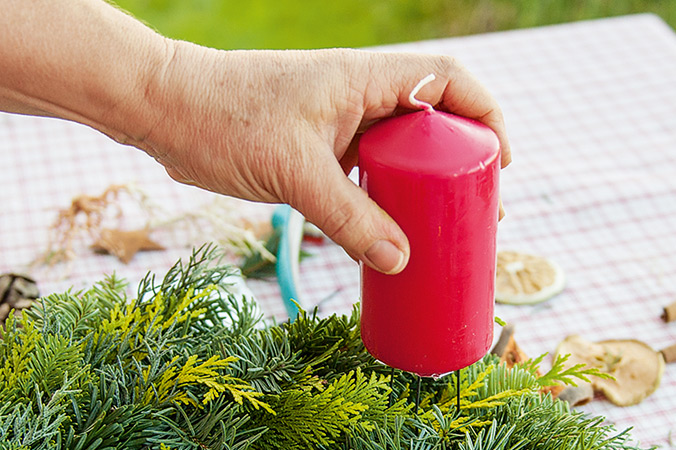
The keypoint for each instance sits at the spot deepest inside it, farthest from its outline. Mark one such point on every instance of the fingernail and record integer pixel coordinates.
(385, 257)
(505, 160)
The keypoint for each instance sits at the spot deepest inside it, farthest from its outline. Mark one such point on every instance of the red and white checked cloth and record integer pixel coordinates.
(591, 114)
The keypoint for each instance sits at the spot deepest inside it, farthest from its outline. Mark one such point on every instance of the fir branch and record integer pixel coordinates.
(199, 272)
(495, 437)
(265, 360)
(77, 314)
(406, 434)
(50, 360)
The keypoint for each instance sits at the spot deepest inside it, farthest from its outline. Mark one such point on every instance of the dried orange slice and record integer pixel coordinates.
(524, 279)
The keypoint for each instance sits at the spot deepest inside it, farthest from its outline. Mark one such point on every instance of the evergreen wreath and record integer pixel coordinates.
(187, 365)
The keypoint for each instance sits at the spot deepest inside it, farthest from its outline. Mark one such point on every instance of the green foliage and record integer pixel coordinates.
(185, 365)
(354, 23)
(558, 374)
(258, 265)
(312, 415)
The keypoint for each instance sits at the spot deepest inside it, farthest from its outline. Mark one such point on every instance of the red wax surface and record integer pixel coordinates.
(436, 174)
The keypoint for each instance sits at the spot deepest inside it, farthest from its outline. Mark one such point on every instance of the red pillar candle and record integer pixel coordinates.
(436, 174)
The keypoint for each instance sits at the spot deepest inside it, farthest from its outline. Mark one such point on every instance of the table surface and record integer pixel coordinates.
(591, 114)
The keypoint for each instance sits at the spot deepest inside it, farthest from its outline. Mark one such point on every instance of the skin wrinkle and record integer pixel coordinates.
(155, 80)
(353, 107)
(339, 219)
(370, 84)
(298, 164)
(263, 153)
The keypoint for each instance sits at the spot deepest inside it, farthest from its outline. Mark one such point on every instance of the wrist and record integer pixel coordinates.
(178, 100)
(139, 108)
(127, 108)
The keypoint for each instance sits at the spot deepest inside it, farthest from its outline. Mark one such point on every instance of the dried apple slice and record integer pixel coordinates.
(636, 368)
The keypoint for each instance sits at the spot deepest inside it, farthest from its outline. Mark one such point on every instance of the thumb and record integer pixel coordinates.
(344, 212)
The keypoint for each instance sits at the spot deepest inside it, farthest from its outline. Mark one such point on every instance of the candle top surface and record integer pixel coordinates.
(432, 142)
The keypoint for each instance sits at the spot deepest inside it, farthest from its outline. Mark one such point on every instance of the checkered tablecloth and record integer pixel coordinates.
(591, 114)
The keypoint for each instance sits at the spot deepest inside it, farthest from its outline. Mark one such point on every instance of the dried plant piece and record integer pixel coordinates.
(510, 354)
(507, 349)
(16, 292)
(669, 314)
(669, 353)
(635, 367)
(505, 337)
(125, 244)
(524, 279)
(577, 395)
(85, 218)
(513, 354)
(261, 229)
(224, 222)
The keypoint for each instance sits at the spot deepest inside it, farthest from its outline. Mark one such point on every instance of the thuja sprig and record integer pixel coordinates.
(560, 374)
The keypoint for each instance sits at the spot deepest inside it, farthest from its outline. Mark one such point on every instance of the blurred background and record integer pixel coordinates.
(278, 24)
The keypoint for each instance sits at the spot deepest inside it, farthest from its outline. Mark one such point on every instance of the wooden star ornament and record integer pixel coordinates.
(125, 244)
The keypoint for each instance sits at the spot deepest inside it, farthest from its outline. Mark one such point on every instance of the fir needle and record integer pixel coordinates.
(457, 387)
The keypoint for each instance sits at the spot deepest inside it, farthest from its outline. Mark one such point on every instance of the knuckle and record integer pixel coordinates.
(447, 64)
(341, 226)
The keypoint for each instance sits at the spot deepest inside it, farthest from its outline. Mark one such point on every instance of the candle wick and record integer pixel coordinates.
(419, 103)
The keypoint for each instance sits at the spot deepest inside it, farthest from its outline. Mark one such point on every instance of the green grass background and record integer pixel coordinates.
(231, 24)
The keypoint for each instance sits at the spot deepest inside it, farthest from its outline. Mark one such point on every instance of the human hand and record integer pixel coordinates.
(284, 126)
